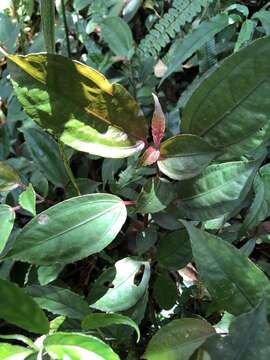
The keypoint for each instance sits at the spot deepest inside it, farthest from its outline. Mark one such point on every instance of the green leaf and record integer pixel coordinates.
(185, 156)
(235, 283)
(248, 338)
(184, 47)
(14, 352)
(18, 308)
(165, 291)
(27, 200)
(246, 34)
(78, 346)
(178, 340)
(98, 117)
(59, 301)
(260, 207)
(117, 34)
(7, 217)
(145, 239)
(174, 250)
(263, 17)
(9, 179)
(155, 196)
(219, 189)
(121, 287)
(95, 321)
(47, 274)
(70, 230)
(45, 153)
(9, 31)
(233, 118)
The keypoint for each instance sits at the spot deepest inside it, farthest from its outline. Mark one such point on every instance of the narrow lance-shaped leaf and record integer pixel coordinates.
(183, 48)
(18, 308)
(70, 230)
(7, 217)
(158, 123)
(236, 283)
(95, 117)
(230, 109)
(96, 321)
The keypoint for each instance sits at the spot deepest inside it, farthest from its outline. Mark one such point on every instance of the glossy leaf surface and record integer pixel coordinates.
(7, 217)
(18, 308)
(248, 338)
(96, 117)
(98, 320)
(235, 282)
(27, 199)
(118, 289)
(233, 118)
(14, 352)
(185, 156)
(9, 179)
(178, 340)
(70, 230)
(217, 190)
(78, 346)
(59, 301)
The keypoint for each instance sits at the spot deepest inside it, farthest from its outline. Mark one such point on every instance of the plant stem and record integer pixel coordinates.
(67, 167)
(66, 28)
(47, 11)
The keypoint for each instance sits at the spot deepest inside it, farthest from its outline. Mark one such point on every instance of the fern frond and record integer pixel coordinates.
(181, 13)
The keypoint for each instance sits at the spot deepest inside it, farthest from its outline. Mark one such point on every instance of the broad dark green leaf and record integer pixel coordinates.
(117, 34)
(14, 352)
(185, 46)
(7, 217)
(45, 153)
(95, 321)
(260, 207)
(248, 338)
(145, 239)
(174, 250)
(121, 287)
(18, 308)
(230, 109)
(178, 340)
(165, 291)
(235, 283)
(9, 179)
(78, 346)
(155, 196)
(27, 199)
(59, 301)
(185, 156)
(70, 230)
(96, 117)
(219, 189)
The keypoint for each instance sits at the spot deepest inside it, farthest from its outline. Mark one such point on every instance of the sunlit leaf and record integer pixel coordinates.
(70, 230)
(95, 117)
(7, 217)
(9, 179)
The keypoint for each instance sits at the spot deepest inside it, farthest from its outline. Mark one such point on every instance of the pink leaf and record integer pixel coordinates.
(150, 156)
(158, 123)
